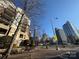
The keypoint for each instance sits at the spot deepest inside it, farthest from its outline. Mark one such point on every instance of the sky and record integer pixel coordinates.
(62, 9)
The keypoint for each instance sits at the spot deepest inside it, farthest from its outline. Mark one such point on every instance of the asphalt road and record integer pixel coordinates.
(38, 54)
(41, 53)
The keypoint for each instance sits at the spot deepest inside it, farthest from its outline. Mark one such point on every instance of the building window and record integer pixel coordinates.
(3, 31)
(21, 35)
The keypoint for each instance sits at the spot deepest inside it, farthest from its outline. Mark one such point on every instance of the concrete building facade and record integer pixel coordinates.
(7, 15)
(23, 32)
(10, 15)
(71, 32)
(62, 39)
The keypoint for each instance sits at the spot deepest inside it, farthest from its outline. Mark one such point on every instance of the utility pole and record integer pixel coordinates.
(8, 51)
(35, 34)
(52, 24)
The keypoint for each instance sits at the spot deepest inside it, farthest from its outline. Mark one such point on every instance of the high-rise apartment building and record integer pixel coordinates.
(7, 15)
(10, 15)
(23, 32)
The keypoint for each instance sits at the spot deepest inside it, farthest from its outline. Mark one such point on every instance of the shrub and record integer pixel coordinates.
(5, 41)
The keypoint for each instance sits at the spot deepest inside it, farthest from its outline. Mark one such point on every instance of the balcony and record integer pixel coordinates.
(25, 23)
(23, 29)
(11, 8)
(10, 13)
(4, 15)
(24, 26)
(1, 10)
(3, 20)
(11, 5)
(3, 26)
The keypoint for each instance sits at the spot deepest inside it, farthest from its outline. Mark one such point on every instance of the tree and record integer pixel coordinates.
(33, 10)
(30, 7)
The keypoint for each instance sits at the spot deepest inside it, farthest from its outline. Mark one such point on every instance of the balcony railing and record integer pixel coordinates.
(25, 23)
(23, 29)
(1, 10)
(3, 26)
(3, 20)
(10, 13)
(4, 15)
(11, 9)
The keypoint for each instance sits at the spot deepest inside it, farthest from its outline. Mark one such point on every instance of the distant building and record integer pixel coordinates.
(62, 39)
(78, 30)
(71, 32)
(51, 41)
(44, 37)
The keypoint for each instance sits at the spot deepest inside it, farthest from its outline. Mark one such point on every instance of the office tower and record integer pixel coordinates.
(71, 32)
(62, 39)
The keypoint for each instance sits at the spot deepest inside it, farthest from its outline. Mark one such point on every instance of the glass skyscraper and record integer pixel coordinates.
(71, 31)
(62, 39)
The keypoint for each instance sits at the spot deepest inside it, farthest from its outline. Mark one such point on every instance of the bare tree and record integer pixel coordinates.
(33, 10)
(30, 6)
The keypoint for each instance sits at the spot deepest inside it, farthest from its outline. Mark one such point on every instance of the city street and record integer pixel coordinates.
(41, 53)
(39, 29)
